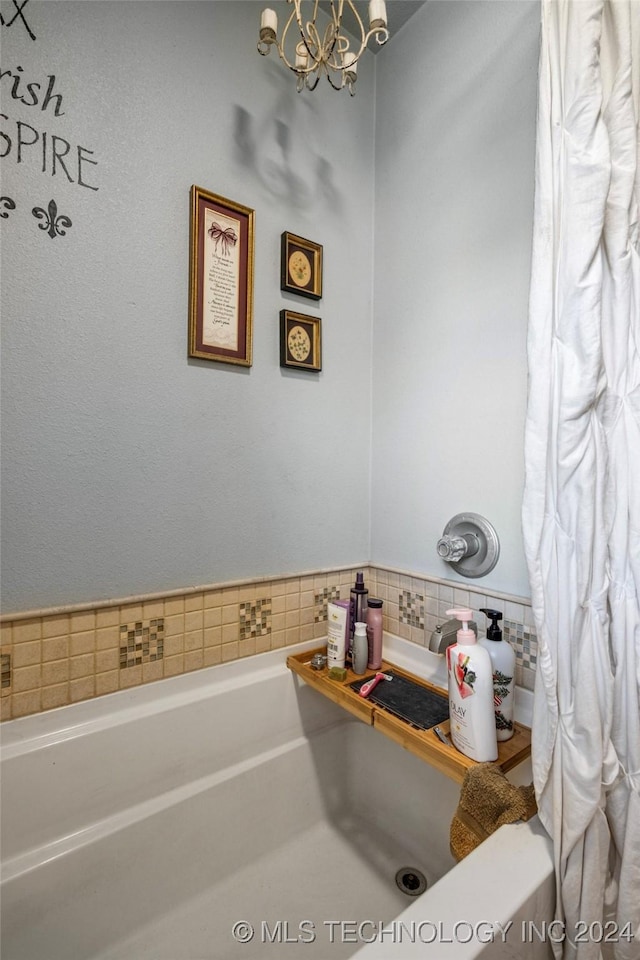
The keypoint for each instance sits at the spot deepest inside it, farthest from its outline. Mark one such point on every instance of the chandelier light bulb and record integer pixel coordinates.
(323, 48)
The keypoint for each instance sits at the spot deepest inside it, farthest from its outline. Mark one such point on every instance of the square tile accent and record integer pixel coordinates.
(6, 670)
(255, 618)
(411, 607)
(524, 641)
(141, 642)
(321, 599)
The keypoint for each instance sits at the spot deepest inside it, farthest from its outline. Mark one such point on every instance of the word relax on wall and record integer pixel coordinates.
(23, 143)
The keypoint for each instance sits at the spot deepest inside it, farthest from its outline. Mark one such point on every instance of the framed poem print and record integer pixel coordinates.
(300, 341)
(301, 266)
(220, 279)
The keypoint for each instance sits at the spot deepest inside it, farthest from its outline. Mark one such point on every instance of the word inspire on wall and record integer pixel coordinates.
(52, 154)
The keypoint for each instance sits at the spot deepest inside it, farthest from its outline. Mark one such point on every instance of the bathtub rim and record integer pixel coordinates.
(25, 734)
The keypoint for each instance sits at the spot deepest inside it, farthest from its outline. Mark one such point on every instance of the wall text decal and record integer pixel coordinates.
(6, 204)
(53, 222)
(18, 14)
(24, 143)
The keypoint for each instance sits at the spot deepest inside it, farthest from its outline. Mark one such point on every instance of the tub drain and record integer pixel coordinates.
(411, 881)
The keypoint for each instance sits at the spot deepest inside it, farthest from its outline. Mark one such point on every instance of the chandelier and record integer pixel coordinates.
(312, 54)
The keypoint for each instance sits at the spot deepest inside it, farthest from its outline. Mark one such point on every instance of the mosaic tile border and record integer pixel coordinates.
(321, 601)
(69, 655)
(141, 642)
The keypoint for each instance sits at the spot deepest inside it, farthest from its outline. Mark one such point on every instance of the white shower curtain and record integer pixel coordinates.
(581, 509)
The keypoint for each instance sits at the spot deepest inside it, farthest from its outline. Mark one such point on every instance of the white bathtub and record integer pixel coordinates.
(235, 813)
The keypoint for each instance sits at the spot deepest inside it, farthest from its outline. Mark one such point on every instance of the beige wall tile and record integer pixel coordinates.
(230, 613)
(291, 619)
(193, 621)
(230, 595)
(174, 625)
(26, 654)
(107, 617)
(213, 636)
(108, 638)
(173, 646)
(82, 643)
(291, 635)
(247, 648)
(173, 606)
(263, 644)
(82, 689)
(25, 678)
(212, 617)
(278, 604)
(56, 696)
(5, 708)
(193, 601)
(173, 665)
(26, 630)
(229, 651)
(152, 671)
(212, 656)
(6, 633)
(107, 660)
(153, 610)
(23, 704)
(83, 666)
(193, 641)
(230, 633)
(57, 626)
(194, 660)
(306, 631)
(83, 622)
(107, 682)
(130, 677)
(55, 649)
(213, 598)
(55, 672)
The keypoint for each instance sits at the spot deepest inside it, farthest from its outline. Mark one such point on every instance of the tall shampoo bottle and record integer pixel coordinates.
(503, 659)
(470, 677)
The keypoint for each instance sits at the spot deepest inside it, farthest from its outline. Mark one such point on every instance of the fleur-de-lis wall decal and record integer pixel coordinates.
(53, 223)
(8, 204)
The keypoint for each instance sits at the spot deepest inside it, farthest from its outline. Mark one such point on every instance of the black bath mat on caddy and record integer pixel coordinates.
(408, 700)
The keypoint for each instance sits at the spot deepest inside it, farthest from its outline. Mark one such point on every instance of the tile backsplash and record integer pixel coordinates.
(52, 658)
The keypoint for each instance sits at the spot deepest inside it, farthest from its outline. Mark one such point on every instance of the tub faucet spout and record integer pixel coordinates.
(445, 634)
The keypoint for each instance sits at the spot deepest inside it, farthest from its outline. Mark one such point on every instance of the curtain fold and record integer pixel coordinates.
(581, 507)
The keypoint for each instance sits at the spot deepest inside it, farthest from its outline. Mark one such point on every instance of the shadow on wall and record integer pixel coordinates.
(288, 167)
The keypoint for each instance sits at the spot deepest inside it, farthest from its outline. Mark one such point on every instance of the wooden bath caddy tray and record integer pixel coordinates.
(423, 743)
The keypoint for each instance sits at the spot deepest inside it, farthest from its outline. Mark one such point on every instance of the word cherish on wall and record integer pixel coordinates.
(38, 148)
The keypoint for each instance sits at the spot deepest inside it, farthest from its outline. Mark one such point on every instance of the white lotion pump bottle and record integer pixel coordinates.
(471, 712)
(503, 659)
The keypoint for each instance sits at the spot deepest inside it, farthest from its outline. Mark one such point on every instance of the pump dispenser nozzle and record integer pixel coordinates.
(493, 630)
(465, 635)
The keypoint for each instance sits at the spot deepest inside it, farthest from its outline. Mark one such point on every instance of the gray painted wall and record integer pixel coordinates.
(127, 467)
(455, 141)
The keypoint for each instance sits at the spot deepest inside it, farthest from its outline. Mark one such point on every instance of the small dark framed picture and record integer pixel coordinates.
(301, 266)
(300, 341)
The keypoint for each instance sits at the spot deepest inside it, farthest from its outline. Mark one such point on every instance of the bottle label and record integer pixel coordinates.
(501, 690)
(463, 676)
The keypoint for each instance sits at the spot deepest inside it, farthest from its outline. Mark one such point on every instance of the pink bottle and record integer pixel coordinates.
(374, 633)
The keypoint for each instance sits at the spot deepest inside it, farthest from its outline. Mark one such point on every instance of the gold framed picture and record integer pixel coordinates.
(220, 279)
(301, 266)
(300, 341)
